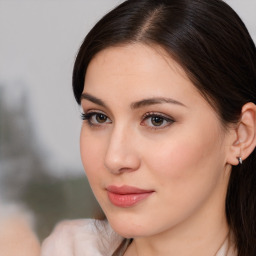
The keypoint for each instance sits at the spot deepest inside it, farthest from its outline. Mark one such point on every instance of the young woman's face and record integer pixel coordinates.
(153, 149)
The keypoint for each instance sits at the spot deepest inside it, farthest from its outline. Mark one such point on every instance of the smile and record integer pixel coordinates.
(127, 196)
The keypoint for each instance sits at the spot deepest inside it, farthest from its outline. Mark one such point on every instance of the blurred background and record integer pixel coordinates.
(40, 168)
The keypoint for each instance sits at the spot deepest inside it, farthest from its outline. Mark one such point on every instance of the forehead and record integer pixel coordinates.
(134, 55)
(134, 66)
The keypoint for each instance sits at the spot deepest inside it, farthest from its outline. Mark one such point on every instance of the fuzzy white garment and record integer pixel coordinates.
(85, 237)
(89, 237)
(228, 247)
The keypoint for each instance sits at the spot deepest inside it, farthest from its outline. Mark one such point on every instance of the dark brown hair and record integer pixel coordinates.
(212, 44)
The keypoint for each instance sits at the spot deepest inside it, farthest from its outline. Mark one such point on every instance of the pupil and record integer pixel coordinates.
(157, 121)
(101, 118)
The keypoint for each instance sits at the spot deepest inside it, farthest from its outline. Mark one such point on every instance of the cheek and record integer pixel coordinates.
(187, 157)
(91, 151)
(186, 172)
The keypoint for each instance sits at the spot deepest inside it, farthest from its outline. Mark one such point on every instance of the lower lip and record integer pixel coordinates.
(127, 200)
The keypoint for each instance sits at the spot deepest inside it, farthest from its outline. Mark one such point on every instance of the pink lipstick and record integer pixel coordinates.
(126, 196)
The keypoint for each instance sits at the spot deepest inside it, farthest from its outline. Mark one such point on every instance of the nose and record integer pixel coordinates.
(121, 154)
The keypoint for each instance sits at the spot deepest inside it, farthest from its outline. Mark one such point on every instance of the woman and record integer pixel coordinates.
(167, 90)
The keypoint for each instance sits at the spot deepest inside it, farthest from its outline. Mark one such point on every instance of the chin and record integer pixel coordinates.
(127, 228)
(127, 233)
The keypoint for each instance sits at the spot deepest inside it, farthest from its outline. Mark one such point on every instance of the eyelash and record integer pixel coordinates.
(88, 116)
(164, 118)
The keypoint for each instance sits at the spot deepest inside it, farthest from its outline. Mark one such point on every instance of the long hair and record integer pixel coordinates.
(209, 40)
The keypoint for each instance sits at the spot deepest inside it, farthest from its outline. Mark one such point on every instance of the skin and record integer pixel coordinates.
(184, 161)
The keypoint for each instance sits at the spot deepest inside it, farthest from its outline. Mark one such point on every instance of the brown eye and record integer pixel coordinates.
(157, 120)
(96, 118)
(101, 118)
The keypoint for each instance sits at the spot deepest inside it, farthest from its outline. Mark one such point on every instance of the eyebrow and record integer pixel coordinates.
(154, 101)
(134, 105)
(87, 96)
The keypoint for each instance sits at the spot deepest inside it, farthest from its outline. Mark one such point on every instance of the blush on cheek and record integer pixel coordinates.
(176, 160)
(183, 158)
(88, 156)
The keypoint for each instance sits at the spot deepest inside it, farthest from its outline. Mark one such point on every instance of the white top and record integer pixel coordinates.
(87, 237)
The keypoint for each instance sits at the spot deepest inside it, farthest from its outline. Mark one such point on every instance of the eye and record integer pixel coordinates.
(96, 118)
(156, 121)
(99, 118)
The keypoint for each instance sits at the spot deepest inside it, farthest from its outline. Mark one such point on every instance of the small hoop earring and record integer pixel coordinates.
(240, 161)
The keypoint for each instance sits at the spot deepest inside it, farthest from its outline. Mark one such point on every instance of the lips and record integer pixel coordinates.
(127, 196)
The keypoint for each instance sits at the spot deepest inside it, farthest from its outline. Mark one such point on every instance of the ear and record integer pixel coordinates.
(244, 141)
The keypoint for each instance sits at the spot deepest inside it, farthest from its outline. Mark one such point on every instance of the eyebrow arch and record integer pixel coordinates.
(154, 101)
(87, 96)
(134, 105)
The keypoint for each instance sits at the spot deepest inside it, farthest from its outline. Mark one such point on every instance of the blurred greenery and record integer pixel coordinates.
(53, 200)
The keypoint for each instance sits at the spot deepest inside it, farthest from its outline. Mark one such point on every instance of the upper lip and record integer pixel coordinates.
(124, 190)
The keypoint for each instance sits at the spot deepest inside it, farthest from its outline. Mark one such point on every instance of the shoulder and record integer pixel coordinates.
(81, 238)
